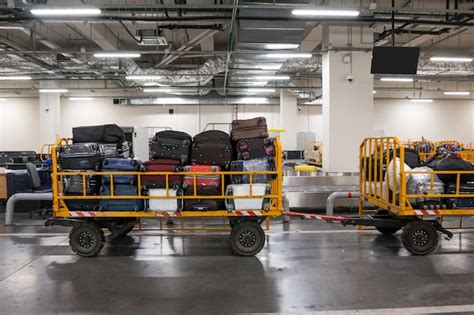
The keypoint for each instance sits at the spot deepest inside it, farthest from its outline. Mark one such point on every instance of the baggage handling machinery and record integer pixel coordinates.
(87, 236)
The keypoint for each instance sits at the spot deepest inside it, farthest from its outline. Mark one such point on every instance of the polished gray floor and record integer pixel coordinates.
(304, 267)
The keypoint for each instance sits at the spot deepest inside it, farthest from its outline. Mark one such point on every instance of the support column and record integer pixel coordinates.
(288, 119)
(49, 114)
(347, 100)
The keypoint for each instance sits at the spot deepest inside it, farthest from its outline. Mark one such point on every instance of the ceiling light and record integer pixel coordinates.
(457, 93)
(253, 100)
(15, 78)
(281, 46)
(117, 55)
(397, 79)
(373, 92)
(451, 59)
(52, 90)
(261, 90)
(421, 100)
(276, 66)
(325, 12)
(258, 83)
(272, 77)
(169, 100)
(11, 27)
(159, 90)
(289, 55)
(143, 77)
(3, 99)
(81, 98)
(66, 12)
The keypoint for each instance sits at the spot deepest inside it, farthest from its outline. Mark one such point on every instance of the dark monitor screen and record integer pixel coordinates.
(395, 60)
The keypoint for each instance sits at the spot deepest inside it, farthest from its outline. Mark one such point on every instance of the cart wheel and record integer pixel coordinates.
(247, 238)
(86, 239)
(420, 237)
(387, 230)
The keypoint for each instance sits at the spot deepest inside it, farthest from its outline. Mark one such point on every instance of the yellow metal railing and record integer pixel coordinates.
(61, 209)
(378, 160)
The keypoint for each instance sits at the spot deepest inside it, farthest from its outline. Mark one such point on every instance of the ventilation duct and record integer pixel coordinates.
(194, 77)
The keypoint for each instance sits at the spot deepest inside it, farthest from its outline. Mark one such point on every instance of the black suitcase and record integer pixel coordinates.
(256, 148)
(171, 145)
(203, 204)
(74, 184)
(120, 204)
(266, 164)
(460, 203)
(82, 204)
(212, 147)
(80, 156)
(101, 134)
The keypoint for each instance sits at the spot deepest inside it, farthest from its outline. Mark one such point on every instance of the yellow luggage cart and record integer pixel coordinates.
(426, 149)
(383, 184)
(87, 236)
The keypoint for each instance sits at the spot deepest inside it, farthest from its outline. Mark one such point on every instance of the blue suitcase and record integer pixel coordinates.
(83, 204)
(120, 204)
(121, 165)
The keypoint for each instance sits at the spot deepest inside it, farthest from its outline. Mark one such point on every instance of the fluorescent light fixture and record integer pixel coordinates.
(397, 79)
(457, 93)
(158, 90)
(117, 55)
(373, 92)
(257, 83)
(421, 100)
(253, 100)
(281, 46)
(451, 59)
(270, 66)
(73, 11)
(169, 100)
(3, 99)
(289, 55)
(81, 98)
(271, 77)
(52, 90)
(306, 12)
(260, 90)
(143, 77)
(15, 78)
(11, 27)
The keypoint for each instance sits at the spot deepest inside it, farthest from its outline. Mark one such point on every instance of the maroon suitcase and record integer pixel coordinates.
(159, 181)
(249, 129)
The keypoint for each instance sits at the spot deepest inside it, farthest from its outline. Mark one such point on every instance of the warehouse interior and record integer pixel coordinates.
(366, 202)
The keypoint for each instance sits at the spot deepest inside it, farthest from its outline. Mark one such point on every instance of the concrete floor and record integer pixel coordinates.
(305, 267)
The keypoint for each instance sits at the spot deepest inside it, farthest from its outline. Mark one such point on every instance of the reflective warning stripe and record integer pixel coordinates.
(316, 216)
(426, 212)
(248, 213)
(171, 214)
(82, 213)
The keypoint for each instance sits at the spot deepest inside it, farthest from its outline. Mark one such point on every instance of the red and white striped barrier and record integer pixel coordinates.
(86, 214)
(328, 218)
(426, 212)
(248, 213)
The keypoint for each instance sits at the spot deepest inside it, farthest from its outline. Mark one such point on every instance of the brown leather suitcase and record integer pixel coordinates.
(249, 129)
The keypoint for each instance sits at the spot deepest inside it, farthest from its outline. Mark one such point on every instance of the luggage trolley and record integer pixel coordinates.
(383, 184)
(87, 237)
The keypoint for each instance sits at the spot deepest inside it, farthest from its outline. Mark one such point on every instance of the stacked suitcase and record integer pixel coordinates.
(254, 152)
(123, 185)
(169, 152)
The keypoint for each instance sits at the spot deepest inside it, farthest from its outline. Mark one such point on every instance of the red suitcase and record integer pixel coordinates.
(159, 181)
(202, 180)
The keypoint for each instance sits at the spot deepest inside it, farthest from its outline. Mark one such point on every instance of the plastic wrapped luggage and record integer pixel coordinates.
(203, 204)
(420, 184)
(212, 147)
(74, 184)
(202, 180)
(247, 203)
(460, 203)
(171, 145)
(256, 148)
(165, 204)
(249, 129)
(110, 133)
(266, 164)
(121, 165)
(412, 159)
(120, 204)
(80, 156)
(159, 181)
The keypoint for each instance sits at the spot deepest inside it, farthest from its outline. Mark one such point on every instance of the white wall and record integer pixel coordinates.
(442, 119)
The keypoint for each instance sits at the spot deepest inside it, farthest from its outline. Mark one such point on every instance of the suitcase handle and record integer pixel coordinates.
(169, 146)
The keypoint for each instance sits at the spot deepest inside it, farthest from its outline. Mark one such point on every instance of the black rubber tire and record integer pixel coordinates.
(113, 228)
(420, 237)
(247, 238)
(86, 239)
(387, 230)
